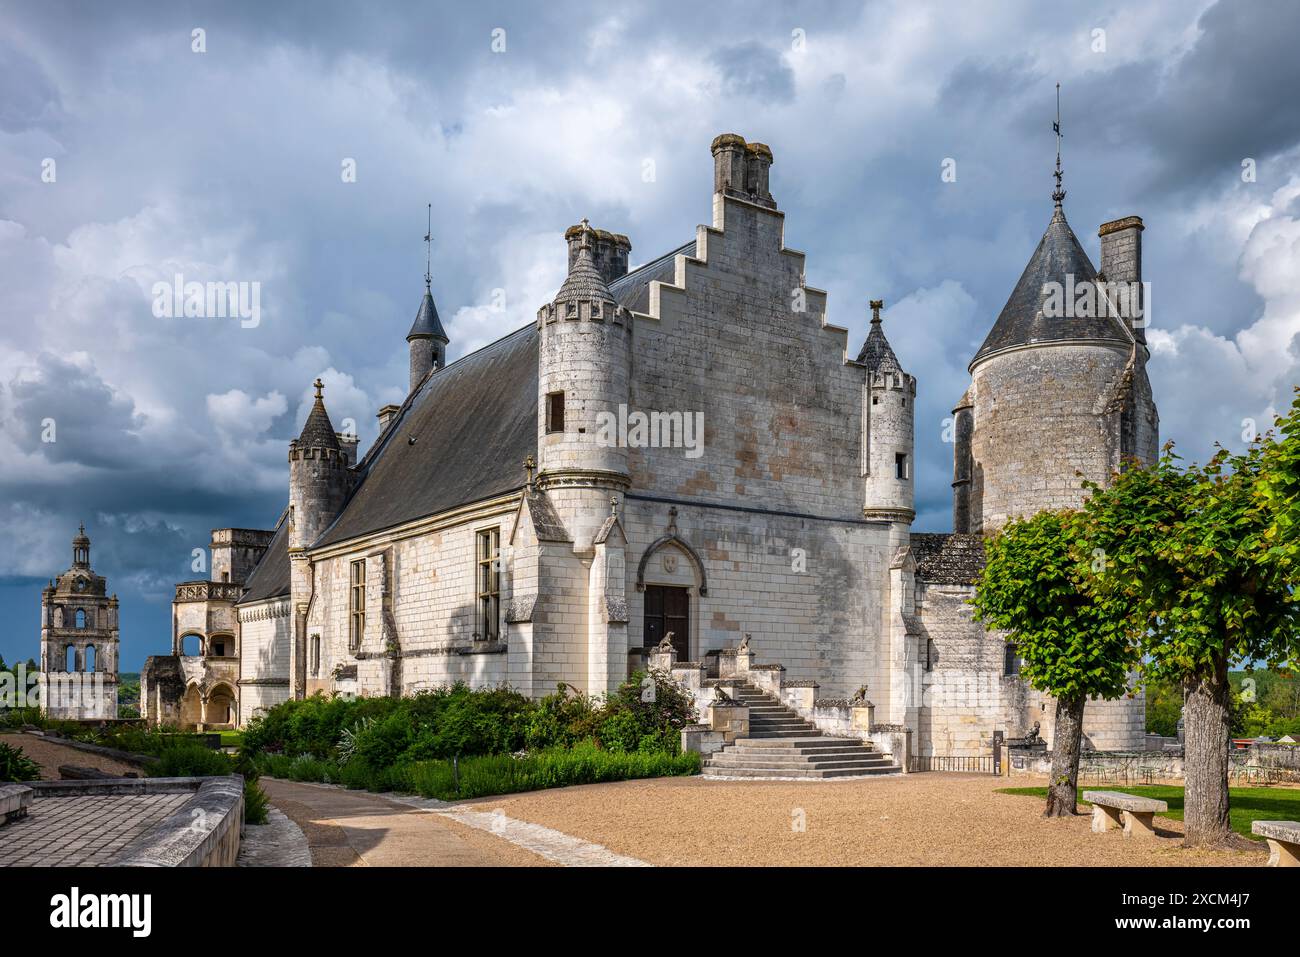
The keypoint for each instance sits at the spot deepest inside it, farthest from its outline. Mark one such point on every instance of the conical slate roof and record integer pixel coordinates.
(584, 281)
(876, 353)
(1022, 322)
(427, 325)
(318, 431)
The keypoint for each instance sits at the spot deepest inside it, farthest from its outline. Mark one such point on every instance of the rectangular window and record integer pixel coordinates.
(900, 465)
(315, 654)
(357, 605)
(555, 412)
(1010, 662)
(489, 585)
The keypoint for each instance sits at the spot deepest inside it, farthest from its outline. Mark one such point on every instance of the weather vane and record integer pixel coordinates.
(1058, 194)
(428, 251)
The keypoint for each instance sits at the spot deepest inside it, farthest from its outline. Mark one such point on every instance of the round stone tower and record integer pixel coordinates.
(889, 409)
(319, 478)
(582, 394)
(427, 341)
(1040, 387)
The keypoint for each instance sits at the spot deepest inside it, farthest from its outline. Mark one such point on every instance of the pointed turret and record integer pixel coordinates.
(584, 363)
(319, 479)
(888, 411)
(427, 341)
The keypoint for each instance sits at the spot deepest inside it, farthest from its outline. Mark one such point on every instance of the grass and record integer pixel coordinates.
(1247, 804)
(231, 739)
(584, 763)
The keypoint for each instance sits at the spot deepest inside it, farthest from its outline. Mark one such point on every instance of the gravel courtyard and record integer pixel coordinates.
(918, 819)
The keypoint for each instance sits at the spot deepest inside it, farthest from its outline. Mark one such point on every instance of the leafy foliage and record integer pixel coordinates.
(1184, 558)
(16, 766)
(1036, 585)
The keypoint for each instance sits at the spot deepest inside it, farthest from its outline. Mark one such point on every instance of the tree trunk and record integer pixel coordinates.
(1062, 788)
(1206, 719)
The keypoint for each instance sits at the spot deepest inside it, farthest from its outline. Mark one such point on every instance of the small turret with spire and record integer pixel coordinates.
(319, 476)
(427, 341)
(889, 410)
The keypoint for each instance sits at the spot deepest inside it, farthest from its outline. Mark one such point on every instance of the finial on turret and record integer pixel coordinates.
(613, 505)
(876, 306)
(530, 463)
(320, 386)
(1058, 194)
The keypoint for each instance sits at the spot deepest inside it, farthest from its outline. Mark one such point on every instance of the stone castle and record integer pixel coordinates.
(627, 473)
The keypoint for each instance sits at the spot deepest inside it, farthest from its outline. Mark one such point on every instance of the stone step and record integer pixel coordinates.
(728, 760)
(800, 741)
(811, 773)
(776, 735)
(814, 754)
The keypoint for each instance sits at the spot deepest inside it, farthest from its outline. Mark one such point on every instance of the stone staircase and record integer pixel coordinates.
(783, 745)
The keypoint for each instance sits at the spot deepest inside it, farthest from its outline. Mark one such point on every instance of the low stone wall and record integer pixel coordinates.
(135, 758)
(1280, 760)
(204, 832)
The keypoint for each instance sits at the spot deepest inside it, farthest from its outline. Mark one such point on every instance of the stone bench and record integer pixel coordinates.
(1111, 809)
(14, 799)
(1283, 841)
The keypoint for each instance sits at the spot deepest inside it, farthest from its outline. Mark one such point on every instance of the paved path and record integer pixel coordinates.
(358, 829)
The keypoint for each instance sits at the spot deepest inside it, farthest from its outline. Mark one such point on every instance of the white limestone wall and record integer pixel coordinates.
(1036, 424)
(433, 610)
(741, 339)
(265, 630)
(809, 592)
(966, 697)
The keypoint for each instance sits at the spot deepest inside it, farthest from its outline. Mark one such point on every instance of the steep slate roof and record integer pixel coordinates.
(317, 431)
(947, 558)
(876, 352)
(473, 423)
(633, 290)
(270, 579)
(427, 325)
(1022, 322)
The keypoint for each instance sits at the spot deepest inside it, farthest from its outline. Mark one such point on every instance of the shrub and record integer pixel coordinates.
(16, 766)
(190, 760)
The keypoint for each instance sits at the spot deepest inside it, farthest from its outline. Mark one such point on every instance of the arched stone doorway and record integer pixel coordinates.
(219, 708)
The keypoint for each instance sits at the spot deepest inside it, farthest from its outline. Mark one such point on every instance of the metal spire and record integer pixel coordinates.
(1058, 194)
(428, 252)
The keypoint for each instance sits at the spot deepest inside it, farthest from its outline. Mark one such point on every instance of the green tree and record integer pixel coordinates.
(1183, 560)
(1035, 586)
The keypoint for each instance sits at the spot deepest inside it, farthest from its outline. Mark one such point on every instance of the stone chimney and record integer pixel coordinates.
(740, 169)
(1121, 261)
(386, 415)
(348, 446)
(609, 251)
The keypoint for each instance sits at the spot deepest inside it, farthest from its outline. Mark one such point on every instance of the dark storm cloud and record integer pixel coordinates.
(67, 414)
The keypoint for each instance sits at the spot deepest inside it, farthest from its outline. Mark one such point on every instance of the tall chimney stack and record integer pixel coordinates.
(1121, 261)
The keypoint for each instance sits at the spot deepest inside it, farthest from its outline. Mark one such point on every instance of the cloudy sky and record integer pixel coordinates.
(126, 157)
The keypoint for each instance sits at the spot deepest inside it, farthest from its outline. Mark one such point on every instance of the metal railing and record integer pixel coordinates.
(968, 764)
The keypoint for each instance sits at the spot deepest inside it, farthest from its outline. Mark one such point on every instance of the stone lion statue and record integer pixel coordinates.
(666, 645)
